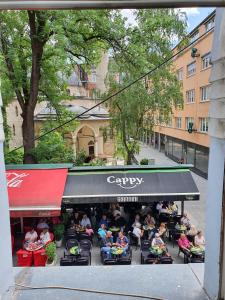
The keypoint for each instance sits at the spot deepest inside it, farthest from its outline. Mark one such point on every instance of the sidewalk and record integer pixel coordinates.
(195, 209)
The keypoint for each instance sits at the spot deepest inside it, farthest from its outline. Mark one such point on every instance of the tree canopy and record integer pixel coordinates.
(150, 100)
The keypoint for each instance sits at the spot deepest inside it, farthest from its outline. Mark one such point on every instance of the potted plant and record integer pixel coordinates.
(144, 161)
(58, 234)
(50, 251)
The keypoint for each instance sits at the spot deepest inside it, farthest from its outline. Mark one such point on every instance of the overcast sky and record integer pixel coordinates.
(195, 15)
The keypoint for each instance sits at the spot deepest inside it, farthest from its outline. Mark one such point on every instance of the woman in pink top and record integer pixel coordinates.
(89, 230)
(184, 243)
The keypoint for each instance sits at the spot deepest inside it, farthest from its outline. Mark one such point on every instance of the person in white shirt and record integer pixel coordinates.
(85, 221)
(42, 224)
(185, 221)
(157, 241)
(138, 232)
(159, 206)
(31, 236)
(45, 236)
(199, 240)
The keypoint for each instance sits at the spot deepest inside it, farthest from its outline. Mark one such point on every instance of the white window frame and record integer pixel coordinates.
(203, 125)
(204, 93)
(210, 24)
(194, 36)
(180, 74)
(190, 96)
(188, 121)
(206, 59)
(178, 122)
(192, 71)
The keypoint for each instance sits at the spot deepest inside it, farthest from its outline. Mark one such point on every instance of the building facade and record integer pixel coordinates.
(84, 91)
(185, 139)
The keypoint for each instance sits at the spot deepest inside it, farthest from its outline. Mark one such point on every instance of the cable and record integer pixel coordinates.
(121, 90)
(25, 287)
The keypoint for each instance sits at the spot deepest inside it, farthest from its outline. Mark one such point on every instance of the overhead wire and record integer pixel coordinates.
(121, 90)
(26, 287)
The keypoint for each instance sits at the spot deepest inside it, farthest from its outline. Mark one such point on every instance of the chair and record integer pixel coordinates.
(175, 235)
(146, 257)
(71, 234)
(24, 258)
(84, 236)
(85, 247)
(164, 218)
(186, 254)
(166, 260)
(40, 258)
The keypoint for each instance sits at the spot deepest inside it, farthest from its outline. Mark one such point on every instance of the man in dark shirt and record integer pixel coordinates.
(107, 242)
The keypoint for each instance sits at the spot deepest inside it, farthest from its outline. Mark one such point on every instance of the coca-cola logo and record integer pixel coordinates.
(125, 182)
(14, 179)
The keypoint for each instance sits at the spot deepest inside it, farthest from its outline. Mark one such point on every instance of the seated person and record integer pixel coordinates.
(138, 232)
(173, 208)
(193, 231)
(45, 236)
(162, 229)
(107, 243)
(42, 224)
(76, 218)
(149, 220)
(184, 244)
(104, 220)
(102, 231)
(31, 236)
(199, 240)
(164, 209)
(137, 220)
(85, 221)
(185, 221)
(157, 241)
(120, 221)
(122, 241)
(159, 207)
(89, 230)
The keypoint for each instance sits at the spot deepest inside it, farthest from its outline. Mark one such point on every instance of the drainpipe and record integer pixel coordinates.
(6, 275)
(214, 257)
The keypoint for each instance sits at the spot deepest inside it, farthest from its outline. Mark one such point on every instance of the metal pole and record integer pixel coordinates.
(6, 275)
(110, 4)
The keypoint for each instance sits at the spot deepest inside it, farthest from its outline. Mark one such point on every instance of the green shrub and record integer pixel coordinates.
(50, 251)
(144, 161)
(58, 231)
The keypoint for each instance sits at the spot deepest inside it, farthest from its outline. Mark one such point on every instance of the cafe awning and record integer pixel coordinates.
(35, 192)
(130, 185)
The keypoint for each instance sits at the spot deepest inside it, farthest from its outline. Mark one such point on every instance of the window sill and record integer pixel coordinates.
(206, 68)
(190, 102)
(203, 101)
(188, 76)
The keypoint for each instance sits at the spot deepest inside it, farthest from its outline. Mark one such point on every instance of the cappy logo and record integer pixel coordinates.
(125, 182)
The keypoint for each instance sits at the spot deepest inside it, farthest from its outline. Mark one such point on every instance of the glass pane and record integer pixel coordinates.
(202, 160)
(190, 155)
(177, 150)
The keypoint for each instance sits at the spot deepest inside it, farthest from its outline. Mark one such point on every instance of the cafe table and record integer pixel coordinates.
(116, 251)
(197, 251)
(114, 229)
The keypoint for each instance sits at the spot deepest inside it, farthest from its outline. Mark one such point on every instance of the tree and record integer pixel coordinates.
(39, 49)
(151, 100)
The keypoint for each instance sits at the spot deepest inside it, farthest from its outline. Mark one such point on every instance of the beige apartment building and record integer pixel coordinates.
(194, 74)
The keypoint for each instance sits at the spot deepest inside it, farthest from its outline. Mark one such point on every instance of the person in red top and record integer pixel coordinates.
(184, 244)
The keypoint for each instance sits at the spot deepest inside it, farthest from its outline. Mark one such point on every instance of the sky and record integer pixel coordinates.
(194, 15)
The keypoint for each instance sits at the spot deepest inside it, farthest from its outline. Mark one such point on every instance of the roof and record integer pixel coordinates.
(96, 113)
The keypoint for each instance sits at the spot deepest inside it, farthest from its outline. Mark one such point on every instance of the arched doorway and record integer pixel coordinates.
(91, 149)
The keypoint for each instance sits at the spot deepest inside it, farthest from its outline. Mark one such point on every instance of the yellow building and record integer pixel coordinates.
(194, 74)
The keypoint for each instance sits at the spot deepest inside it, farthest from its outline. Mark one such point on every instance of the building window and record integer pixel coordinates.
(190, 96)
(188, 121)
(17, 112)
(206, 61)
(178, 122)
(93, 76)
(14, 130)
(205, 90)
(194, 36)
(180, 74)
(210, 24)
(191, 69)
(203, 124)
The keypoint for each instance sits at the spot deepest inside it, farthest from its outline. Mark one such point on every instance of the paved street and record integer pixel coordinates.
(195, 209)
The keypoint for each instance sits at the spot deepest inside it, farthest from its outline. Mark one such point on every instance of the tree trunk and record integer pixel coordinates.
(28, 135)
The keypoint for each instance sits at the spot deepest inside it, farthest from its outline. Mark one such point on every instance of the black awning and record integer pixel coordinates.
(143, 185)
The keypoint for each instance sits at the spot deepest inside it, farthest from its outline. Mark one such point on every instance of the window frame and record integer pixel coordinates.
(192, 63)
(188, 93)
(178, 121)
(189, 120)
(202, 61)
(203, 124)
(206, 93)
